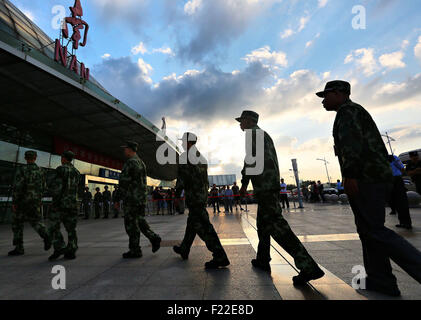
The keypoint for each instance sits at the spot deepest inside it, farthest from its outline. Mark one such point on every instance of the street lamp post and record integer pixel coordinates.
(327, 171)
(389, 141)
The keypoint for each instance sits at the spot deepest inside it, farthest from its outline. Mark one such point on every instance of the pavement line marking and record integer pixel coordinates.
(329, 237)
(324, 288)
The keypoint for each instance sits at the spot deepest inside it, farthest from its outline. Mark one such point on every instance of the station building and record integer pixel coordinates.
(48, 107)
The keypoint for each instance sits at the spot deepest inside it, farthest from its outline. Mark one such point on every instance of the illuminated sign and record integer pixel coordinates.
(61, 52)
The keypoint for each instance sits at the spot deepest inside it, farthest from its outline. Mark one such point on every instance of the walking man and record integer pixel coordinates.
(193, 178)
(64, 188)
(270, 221)
(133, 190)
(27, 196)
(367, 177)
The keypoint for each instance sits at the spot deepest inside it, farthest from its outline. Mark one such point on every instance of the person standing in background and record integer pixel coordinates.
(87, 201)
(284, 194)
(106, 199)
(237, 200)
(97, 203)
(398, 198)
(229, 194)
(413, 168)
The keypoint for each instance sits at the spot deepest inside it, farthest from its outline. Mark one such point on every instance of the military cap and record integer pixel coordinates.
(106, 187)
(30, 154)
(248, 115)
(69, 155)
(336, 85)
(413, 154)
(132, 145)
(189, 137)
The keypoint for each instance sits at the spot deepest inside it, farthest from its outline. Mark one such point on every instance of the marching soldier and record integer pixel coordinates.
(97, 203)
(86, 200)
(270, 221)
(27, 196)
(368, 179)
(64, 188)
(106, 199)
(193, 178)
(132, 187)
(116, 201)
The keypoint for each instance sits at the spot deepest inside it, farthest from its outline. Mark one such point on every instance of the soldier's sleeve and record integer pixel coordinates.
(19, 185)
(350, 140)
(125, 178)
(56, 185)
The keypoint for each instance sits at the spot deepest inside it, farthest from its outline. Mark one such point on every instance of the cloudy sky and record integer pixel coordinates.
(199, 63)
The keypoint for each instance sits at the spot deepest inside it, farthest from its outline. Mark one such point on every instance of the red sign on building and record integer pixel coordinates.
(61, 52)
(84, 154)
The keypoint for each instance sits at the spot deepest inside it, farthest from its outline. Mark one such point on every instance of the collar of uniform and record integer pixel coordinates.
(346, 103)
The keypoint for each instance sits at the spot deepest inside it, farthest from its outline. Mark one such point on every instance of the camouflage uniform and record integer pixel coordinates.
(270, 221)
(194, 180)
(27, 196)
(64, 188)
(363, 156)
(132, 188)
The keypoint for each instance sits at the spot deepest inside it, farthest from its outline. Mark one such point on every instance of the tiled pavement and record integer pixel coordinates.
(99, 272)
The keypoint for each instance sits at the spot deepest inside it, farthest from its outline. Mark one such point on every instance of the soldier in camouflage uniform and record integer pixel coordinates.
(368, 178)
(132, 188)
(106, 199)
(97, 203)
(270, 221)
(193, 178)
(27, 196)
(64, 188)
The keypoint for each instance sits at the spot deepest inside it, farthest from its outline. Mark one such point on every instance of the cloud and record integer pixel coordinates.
(311, 42)
(417, 49)
(106, 56)
(164, 50)
(265, 55)
(302, 24)
(192, 6)
(29, 14)
(133, 12)
(215, 24)
(364, 59)
(145, 70)
(140, 48)
(322, 3)
(392, 60)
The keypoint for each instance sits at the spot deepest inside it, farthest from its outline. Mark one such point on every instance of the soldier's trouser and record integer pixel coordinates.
(69, 219)
(97, 210)
(135, 223)
(32, 213)
(379, 243)
(115, 210)
(86, 209)
(270, 222)
(399, 201)
(106, 209)
(198, 223)
(215, 202)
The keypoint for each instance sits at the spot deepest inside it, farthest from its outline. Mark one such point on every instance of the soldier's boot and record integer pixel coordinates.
(132, 255)
(265, 266)
(70, 255)
(47, 243)
(18, 251)
(177, 249)
(56, 255)
(304, 277)
(215, 264)
(392, 291)
(156, 244)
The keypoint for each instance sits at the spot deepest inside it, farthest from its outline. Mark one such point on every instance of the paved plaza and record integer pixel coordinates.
(99, 272)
